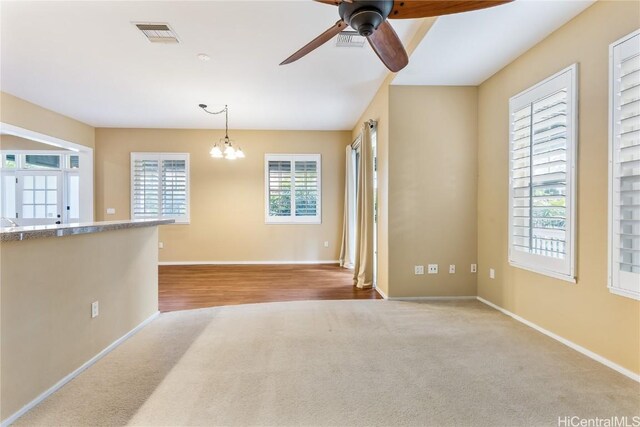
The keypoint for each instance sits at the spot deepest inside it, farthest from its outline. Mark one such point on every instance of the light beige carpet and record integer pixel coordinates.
(339, 363)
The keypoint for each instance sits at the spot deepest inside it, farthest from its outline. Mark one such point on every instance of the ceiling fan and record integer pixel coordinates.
(370, 19)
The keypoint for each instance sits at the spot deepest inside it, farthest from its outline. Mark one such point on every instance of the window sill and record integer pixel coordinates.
(292, 223)
(624, 293)
(553, 274)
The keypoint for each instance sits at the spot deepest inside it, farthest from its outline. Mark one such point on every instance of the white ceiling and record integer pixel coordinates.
(87, 60)
(467, 48)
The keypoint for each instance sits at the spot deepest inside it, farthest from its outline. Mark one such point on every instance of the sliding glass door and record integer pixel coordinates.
(374, 154)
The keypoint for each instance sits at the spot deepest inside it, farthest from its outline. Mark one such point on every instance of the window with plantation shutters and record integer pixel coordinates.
(160, 186)
(292, 188)
(542, 142)
(624, 167)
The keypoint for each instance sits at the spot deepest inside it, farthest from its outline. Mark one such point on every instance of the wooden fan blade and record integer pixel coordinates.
(333, 2)
(317, 42)
(387, 45)
(408, 9)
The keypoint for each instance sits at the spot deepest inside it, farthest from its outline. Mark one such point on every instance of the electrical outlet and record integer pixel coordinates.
(452, 269)
(111, 211)
(474, 268)
(492, 273)
(418, 269)
(326, 244)
(433, 268)
(160, 245)
(95, 309)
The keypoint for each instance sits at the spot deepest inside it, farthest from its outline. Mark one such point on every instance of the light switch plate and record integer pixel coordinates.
(474, 268)
(95, 309)
(492, 273)
(418, 269)
(111, 211)
(452, 269)
(433, 268)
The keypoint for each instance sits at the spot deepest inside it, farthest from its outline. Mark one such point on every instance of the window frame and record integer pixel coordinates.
(292, 219)
(65, 156)
(159, 156)
(556, 268)
(613, 287)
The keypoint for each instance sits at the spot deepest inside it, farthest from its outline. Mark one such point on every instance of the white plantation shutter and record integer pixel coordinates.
(174, 188)
(145, 202)
(279, 187)
(292, 188)
(624, 159)
(542, 176)
(306, 184)
(160, 186)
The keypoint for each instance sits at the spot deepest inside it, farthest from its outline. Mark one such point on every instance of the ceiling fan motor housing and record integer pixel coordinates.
(365, 16)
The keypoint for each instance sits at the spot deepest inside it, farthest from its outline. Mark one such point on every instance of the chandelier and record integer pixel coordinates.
(225, 148)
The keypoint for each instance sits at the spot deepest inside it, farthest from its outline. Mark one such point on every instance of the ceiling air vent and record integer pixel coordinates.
(158, 33)
(350, 39)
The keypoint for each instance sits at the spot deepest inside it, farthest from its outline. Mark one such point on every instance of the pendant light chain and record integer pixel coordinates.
(226, 122)
(229, 152)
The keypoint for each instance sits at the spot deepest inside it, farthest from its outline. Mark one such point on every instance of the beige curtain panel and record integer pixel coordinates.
(363, 266)
(348, 249)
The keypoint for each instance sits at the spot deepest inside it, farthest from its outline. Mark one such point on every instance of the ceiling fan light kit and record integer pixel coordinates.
(365, 19)
(370, 19)
(225, 149)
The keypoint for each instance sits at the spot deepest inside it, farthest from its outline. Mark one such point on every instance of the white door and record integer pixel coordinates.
(71, 198)
(39, 197)
(8, 198)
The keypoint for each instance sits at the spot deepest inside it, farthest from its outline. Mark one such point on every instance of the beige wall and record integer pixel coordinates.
(18, 112)
(585, 313)
(48, 286)
(227, 198)
(11, 142)
(432, 189)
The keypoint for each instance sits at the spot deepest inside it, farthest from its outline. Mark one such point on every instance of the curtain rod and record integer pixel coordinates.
(372, 123)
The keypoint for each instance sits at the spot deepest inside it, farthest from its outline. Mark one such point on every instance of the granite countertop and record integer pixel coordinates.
(8, 234)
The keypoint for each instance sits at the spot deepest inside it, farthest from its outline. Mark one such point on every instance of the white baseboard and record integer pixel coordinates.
(382, 294)
(77, 372)
(247, 262)
(433, 298)
(443, 298)
(570, 344)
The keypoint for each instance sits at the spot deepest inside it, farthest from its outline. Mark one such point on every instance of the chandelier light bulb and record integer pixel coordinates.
(240, 153)
(216, 152)
(230, 156)
(229, 150)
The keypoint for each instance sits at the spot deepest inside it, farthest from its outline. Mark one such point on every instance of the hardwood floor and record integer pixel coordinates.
(198, 286)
